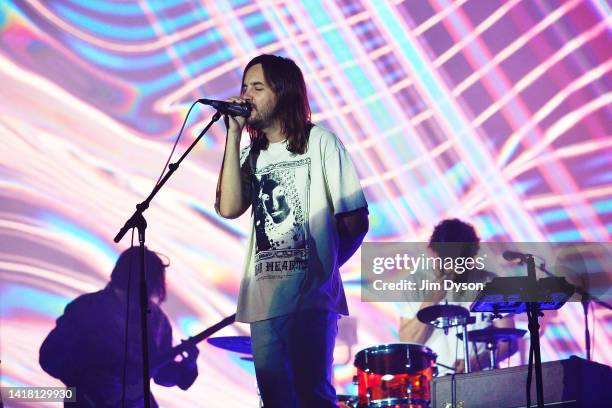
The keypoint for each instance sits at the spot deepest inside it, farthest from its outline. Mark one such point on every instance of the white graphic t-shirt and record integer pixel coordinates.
(292, 251)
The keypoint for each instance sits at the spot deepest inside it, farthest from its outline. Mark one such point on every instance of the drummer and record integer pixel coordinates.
(447, 346)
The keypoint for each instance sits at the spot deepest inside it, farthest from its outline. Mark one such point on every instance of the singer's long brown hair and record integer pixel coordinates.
(292, 108)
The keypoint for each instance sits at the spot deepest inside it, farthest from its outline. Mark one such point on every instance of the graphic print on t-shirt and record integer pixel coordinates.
(281, 211)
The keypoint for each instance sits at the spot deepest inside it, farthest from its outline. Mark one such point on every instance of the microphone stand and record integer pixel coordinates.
(138, 221)
(533, 316)
(585, 299)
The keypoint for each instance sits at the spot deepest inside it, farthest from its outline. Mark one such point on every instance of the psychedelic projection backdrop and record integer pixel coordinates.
(497, 112)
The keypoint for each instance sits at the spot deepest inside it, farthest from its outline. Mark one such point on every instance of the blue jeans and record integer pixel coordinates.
(293, 356)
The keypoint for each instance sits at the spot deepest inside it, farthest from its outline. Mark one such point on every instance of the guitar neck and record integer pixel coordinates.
(192, 341)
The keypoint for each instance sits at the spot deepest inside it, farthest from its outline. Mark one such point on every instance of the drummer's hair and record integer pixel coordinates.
(456, 231)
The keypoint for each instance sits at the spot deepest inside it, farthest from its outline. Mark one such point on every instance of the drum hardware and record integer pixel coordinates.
(491, 336)
(398, 403)
(443, 366)
(445, 317)
(492, 348)
(457, 405)
(347, 401)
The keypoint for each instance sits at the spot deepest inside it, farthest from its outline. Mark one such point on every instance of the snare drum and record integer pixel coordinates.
(395, 375)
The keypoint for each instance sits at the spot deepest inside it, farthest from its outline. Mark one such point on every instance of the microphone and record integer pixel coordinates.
(512, 255)
(229, 108)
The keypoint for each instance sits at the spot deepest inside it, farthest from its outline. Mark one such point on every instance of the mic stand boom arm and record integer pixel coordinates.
(138, 221)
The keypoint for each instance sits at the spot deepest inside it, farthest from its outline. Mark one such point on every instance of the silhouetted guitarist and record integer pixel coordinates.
(87, 347)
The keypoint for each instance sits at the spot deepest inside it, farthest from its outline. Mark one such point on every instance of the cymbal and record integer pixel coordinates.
(494, 334)
(238, 344)
(444, 316)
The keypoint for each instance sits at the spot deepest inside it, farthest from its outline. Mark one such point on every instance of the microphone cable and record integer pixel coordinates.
(178, 137)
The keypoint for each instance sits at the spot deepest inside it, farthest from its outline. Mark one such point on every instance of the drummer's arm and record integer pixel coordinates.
(411, 330)
(505, 348)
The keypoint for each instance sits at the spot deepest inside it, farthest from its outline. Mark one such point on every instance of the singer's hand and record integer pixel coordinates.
(235, 124)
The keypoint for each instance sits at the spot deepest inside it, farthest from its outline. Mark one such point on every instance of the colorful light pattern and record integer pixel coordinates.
(493, 111)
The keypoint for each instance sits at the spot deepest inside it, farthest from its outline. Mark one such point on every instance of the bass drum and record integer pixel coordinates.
(395, 375)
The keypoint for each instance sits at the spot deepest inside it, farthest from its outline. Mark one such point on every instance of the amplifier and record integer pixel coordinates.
(575, 383)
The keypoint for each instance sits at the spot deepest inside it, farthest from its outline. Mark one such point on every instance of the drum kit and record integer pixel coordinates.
(399, 375)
